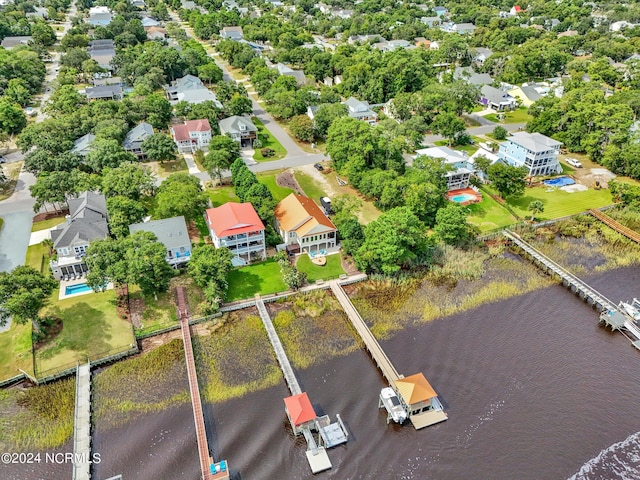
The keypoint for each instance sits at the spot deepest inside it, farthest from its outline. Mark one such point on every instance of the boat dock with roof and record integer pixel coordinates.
(610, 314)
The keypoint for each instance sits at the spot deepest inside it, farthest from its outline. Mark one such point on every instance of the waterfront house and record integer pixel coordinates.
(240, 129)
(82, 146)
(237, 227)
(303, 226)
(300, 412)
(419, 400)
(87, 221)
(534, 151)
(460, 170)
(173, 234)
(135, 137)
(192, 135)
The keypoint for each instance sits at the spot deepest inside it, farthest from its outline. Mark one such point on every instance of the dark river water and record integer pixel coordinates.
(534, 389)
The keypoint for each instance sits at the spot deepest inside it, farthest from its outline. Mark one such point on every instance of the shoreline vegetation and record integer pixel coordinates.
(235, 357)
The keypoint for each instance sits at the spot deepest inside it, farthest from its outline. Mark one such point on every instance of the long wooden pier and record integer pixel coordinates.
(617, 226)
(206, 460)
(377, 353)
(82, 424)
(580, 288)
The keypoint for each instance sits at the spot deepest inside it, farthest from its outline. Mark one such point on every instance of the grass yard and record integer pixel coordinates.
(519, 115)
(221, 195)
(332, 269)
(271, 143)
(310, 186)
(91, 328)
(269, 179)
(158, 313)
(263, 278)
(45, 224)
(38, 257)
(469, 149)
(489, 215)
(165, 169)
(15, 351)
(12, 171)
(558, 203)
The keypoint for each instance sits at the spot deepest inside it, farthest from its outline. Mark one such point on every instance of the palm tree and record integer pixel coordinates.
(535, 207)
(47, 242)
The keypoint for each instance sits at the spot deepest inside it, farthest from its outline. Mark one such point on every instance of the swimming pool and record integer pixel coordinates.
(463, 197)
(77, 288)
(559, 182)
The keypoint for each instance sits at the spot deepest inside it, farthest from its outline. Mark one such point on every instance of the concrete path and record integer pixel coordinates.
(39, 236)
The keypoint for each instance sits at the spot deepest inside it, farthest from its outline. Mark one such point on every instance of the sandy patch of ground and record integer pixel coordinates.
(576, 187)
(288, 180)
(321, 179)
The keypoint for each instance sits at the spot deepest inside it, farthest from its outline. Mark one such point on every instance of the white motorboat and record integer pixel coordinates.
(391, 403)
(632, 309)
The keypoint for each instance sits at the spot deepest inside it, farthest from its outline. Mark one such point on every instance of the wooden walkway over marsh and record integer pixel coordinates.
(377, 353)
(201, 434)
(617, 226)
(82, 424)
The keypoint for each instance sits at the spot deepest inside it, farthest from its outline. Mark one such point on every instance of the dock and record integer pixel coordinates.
(610, 314)
(82, 424)
(617, 226)
(210, 471)
(424, 410)
(303, 420)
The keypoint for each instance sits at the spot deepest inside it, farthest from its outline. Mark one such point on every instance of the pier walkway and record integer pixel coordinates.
(82, 424)
(618, 227)
(378, 355)
(206, 462)
(580, 288)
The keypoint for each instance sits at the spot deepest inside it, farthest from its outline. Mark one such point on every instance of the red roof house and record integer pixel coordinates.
(237, 227)
(299, 410)
(192, 135)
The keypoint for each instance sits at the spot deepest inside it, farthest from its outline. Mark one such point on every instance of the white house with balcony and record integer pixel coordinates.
(303, 225)
(236, 226)
(534, 151)
(460, 169)
(173, 234)
(87, 221)
(192, 135)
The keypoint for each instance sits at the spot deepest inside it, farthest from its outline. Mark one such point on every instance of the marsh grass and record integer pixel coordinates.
(235, 359)
(37, 418)
(313, 328)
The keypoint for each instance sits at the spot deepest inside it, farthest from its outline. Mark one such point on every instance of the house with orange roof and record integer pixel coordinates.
(302, 224)
(300, 412)
(236, 226)
(419, 400)
(192, 135)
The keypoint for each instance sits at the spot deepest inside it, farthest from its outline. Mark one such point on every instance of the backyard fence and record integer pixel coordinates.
(169, 327)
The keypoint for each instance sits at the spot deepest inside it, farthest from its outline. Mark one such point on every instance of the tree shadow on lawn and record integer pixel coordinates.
(84, 330)
(245, 285)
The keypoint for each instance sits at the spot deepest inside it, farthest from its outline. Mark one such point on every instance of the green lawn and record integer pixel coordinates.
(15, 351)
(165, 169)
(91, 328)
(271, 143)
(519, 115)
(470, 149)
(38, 257)
(558, 203)
(269, 179)
(45, 224)
(311, 188)
(489, 215)
(221, 195)
(332, 269)
(263, 278)
(158, 313)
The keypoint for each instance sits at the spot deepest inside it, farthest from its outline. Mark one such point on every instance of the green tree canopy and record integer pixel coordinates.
(23, 293)
(181, 194)
(510, 181)
(130, 180)
(160, 147)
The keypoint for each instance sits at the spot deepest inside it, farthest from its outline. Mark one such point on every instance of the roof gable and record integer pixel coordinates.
(233, 219)
(300, 214)
(171, 232)
(299, 409)
(415, 389)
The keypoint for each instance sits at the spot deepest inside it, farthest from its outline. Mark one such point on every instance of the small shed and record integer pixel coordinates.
(300, 412)
(420, 400)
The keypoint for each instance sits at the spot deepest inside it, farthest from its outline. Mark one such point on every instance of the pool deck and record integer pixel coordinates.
(477, 196)
(67, 283)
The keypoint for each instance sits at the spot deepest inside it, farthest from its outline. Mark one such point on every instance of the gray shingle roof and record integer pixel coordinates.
(87, 221)
(232, 125)
(138, 134)
(82, 145)
(172, 232)
(534, 142)
(104, 91)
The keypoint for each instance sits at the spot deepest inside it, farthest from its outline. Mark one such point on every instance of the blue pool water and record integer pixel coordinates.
(78, 288)
(464, 197)
(559, 182)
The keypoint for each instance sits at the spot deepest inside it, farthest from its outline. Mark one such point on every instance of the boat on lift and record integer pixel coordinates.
(632, 309)
(389, 400)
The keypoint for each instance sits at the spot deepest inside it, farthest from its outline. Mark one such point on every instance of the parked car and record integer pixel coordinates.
(325, 202)
(574, 163)
(318, 166)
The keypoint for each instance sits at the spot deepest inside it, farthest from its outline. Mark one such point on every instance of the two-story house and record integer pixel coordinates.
(190, 89)
(302, 224)
(240, 129)
(496, 99)
(237, 227)
(231, 33)
(135, 137)
(87, 221)
(173, 234)
(361, 110)
(82, 146)
(192, 135)
(102, 51)
(534, 151)
(460, 169)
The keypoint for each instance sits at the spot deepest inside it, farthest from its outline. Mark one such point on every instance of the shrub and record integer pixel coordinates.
(267, 152)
